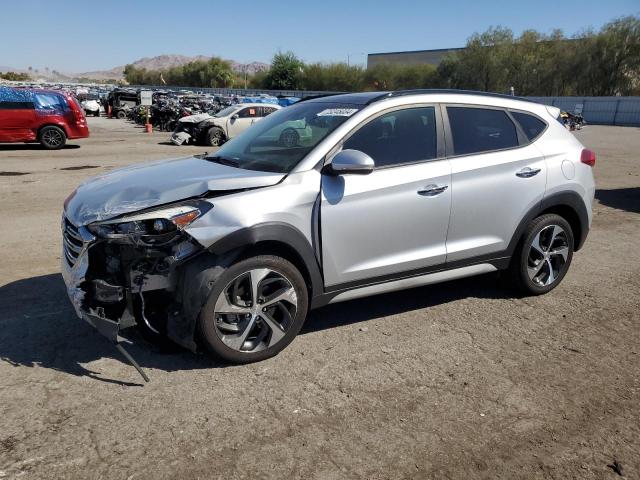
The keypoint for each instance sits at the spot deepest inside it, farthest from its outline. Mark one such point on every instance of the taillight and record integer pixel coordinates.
(588, 157)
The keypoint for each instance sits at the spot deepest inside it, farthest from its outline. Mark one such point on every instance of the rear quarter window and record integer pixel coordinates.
(531, 125)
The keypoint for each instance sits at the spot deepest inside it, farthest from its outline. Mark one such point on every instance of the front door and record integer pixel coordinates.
(242, 120)
(394, 220)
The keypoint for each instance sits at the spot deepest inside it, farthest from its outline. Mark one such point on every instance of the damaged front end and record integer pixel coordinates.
(124, 272)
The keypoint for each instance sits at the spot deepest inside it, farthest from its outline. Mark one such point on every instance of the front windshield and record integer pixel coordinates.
(280, 141)
(227, 111)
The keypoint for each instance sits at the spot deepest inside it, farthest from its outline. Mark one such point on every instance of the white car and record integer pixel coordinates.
(214, 130)
(91, 107)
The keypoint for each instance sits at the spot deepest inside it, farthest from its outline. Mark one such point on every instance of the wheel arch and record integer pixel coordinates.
(199, 275)
(275, 238)
(569, 205)
(61, 126)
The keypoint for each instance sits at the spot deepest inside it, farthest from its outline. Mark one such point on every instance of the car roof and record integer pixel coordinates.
(366, 98)
(256, 105)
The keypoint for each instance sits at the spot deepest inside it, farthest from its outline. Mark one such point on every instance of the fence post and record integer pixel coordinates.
(615, 113)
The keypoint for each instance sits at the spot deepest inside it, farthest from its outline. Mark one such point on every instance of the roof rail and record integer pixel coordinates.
(400, 93)
(313, 97)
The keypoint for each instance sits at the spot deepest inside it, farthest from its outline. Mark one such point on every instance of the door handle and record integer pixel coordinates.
(527, 172)
(432, 190)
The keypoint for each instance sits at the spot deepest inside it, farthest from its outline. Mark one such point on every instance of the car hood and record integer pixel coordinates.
(138, 187)
(195, 118)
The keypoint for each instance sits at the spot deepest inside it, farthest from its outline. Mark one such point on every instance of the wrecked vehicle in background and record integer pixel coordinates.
(229, 251)
(214, 130)
(120, 101)
(91, 107)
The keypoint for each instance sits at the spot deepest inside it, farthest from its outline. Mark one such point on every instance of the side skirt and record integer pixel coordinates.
(410, 280)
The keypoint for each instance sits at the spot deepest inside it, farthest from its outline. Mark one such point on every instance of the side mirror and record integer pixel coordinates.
(235, 116)
(350, 161)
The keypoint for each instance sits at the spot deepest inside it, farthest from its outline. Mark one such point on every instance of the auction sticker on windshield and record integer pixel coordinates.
(337, 112)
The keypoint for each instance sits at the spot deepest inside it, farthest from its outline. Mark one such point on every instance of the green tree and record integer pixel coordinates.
(15, 77)
(285, 72)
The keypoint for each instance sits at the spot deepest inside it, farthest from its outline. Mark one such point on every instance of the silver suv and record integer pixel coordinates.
(375, 192)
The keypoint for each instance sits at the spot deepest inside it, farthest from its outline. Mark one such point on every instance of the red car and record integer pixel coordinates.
(45, 116)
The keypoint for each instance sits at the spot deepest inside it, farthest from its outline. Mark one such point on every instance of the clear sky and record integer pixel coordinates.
(76, 36)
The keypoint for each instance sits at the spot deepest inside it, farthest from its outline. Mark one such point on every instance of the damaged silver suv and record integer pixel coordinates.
(374, 192)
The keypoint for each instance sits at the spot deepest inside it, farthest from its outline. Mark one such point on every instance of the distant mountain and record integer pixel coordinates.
(163, 62)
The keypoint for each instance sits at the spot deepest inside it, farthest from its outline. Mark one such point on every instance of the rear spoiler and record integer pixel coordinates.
(553, 111)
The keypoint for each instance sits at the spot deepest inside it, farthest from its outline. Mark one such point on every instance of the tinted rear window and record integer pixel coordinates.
(531, 125)
(478, 130)
(50, 102)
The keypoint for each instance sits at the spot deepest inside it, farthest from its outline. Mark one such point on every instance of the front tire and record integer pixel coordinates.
(215, 137)
(289, 138)
(255, 309)
(543, 255)
(52, 138)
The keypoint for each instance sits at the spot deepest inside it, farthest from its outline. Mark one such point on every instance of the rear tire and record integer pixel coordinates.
(255, 309)
(543, 255)
(121, 114)
(52, 138)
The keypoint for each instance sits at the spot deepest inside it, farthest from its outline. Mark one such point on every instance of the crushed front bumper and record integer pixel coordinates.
(74, 266)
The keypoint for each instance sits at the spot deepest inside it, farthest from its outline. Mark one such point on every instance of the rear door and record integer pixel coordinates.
(394, 220)
(497, 177)
(17, 115)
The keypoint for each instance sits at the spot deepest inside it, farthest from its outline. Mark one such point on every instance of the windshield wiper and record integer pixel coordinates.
(223, 161)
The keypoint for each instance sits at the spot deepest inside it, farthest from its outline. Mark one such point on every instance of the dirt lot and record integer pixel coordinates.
(459, 380)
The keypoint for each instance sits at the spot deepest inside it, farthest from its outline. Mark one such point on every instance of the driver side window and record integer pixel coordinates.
(398, 137)
(249, 112)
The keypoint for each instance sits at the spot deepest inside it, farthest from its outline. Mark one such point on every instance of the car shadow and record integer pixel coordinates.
(31, 146)
(621, 198)
(393, 303)
(40, 328)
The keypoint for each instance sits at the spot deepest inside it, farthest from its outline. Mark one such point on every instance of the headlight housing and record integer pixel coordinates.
(156, 227)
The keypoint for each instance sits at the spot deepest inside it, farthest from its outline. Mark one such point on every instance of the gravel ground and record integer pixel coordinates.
(458, 380)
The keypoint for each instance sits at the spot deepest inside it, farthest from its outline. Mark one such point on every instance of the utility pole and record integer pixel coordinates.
(349, 55)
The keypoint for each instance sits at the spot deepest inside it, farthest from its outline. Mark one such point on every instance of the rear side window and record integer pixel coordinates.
(51, 102)
(476, 130)
(402, 136)
(532, 126)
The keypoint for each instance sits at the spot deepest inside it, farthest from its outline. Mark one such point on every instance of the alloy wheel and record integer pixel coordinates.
(548, 254)
(255, 310)
(52, 137)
